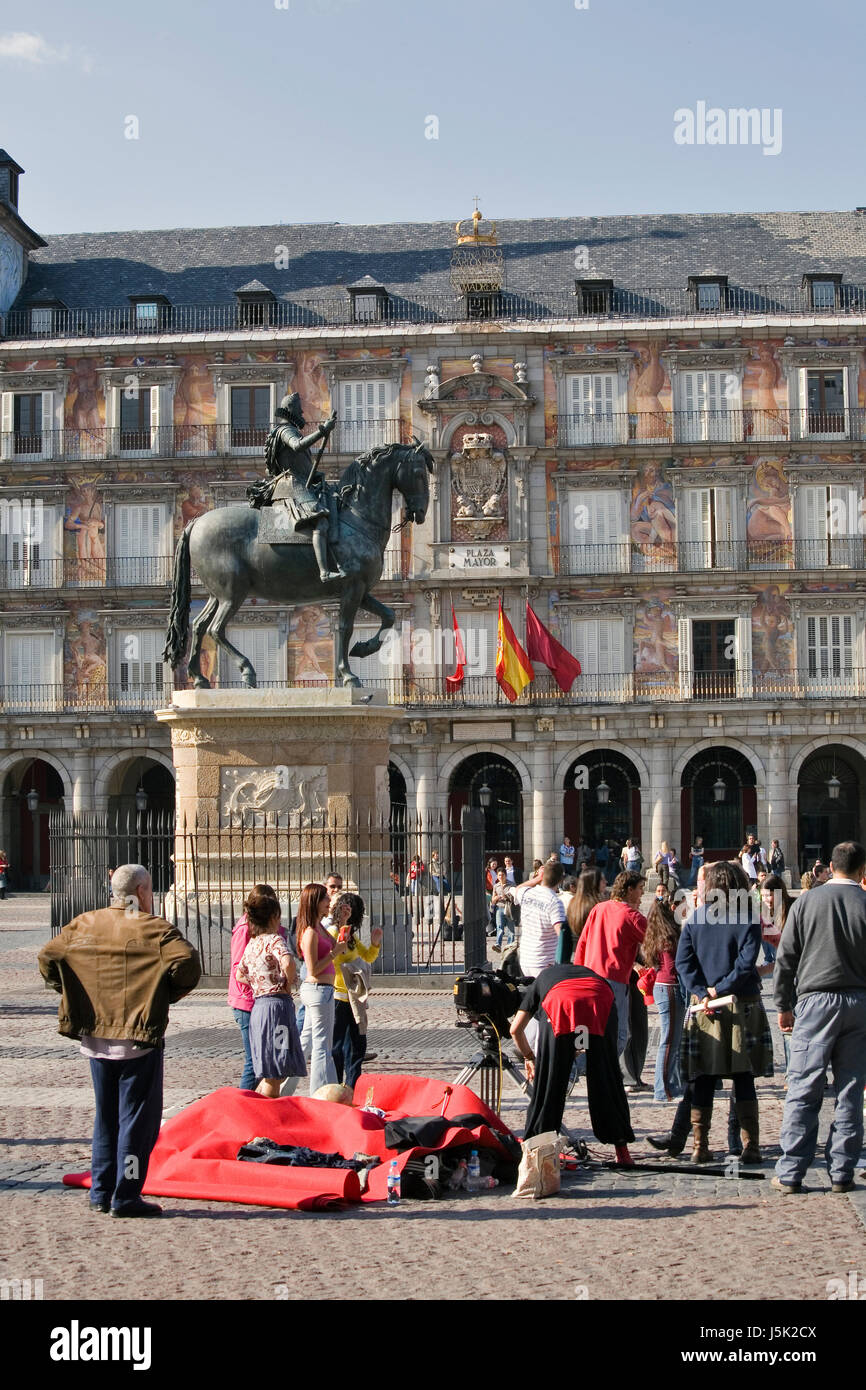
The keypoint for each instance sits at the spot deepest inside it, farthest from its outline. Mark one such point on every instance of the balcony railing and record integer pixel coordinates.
(483, 692)
(695, 557)
(176, 441)
(740, 426)
(357, 437)
(113, 571)
(336, 311)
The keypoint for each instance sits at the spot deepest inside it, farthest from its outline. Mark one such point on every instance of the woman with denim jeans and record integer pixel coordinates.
(659, 952)
(320, 953)
(241, 996)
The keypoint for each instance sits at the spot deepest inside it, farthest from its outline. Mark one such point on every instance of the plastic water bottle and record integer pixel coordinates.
(393, 1184)
(473, 1179)
(458, 1177)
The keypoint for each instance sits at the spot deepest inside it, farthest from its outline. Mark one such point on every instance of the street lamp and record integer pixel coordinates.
(602, 791)
(485, 797)
(719, 789)
(834, 786)
(33, 801)
(141, 799)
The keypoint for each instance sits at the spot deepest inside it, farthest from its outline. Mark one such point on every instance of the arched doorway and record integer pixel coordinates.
(398, 798)
(33, 789)
(824, 819)
(719, 802)
(141, 800)
(503, 818)
(612, 814)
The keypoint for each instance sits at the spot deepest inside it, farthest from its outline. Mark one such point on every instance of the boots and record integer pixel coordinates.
(701, 1131)
(671, 1143)
(747, 1114)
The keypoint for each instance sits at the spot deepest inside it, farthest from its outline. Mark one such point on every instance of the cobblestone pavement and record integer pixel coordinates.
(610, 1234)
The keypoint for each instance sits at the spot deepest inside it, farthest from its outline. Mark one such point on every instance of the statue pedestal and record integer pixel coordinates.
(251, 755)
(276, 786)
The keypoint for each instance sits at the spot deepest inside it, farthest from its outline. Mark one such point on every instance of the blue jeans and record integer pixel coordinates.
(669, 1001)
(769, 953)
(317, 1038)
(249, 1080)
(503, 925)
(126, 1127)
(830, 1031)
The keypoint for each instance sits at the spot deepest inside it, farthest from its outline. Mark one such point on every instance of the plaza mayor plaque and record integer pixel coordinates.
(479, 557)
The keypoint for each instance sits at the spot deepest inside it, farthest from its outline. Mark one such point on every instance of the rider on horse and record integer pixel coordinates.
(293, 476)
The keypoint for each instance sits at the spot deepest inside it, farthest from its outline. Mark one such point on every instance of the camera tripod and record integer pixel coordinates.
(490, 1064)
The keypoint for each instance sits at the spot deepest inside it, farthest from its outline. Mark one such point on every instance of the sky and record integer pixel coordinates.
(182, 113)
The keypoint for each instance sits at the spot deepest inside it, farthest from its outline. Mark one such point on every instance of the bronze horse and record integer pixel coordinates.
(232, 563)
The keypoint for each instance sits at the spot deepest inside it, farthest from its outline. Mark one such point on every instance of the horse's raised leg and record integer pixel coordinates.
(199, 627)
(387, 617)
(343, 673)
(226, 610)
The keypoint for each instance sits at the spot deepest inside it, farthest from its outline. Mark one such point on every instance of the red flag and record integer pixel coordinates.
(455, 682)
(542, 646)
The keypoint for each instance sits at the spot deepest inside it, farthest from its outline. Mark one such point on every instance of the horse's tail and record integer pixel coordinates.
(178, 618)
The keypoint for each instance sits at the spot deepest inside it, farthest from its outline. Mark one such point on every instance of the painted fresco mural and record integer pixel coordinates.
(84, 661)
(84, 530)
(311, 645)
(773, 646)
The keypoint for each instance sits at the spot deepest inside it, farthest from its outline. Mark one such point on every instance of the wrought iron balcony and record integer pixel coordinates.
(482, 692)
(696, 557)
(654, 425)
(112, 571)
(330, 311)
(176, 441)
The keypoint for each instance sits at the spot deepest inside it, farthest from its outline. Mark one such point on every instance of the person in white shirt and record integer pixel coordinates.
(510, 874)
(542, 913)
(566, 854)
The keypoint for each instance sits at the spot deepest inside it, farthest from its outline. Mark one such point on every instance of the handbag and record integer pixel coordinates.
(646, 978)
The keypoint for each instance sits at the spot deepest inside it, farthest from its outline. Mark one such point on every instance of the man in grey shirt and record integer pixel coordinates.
(823, 948)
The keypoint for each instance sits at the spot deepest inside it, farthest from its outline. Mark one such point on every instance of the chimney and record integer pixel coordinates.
(9, 172)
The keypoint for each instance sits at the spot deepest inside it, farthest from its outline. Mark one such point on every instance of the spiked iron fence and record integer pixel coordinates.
(422, 883)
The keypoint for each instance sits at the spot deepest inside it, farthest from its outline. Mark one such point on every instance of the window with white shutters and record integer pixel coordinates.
(385, 667)
(592, 409)
(710, 526)
(830, 647)
(706, 405)
(827, 521)
(363, 419)
(261, 645)
(140, 543)
(594, 526)
(823, 403)
(599, 646)
(27, 425)
(392, 566)
(31, 544)
(142, 682)
(30, 675)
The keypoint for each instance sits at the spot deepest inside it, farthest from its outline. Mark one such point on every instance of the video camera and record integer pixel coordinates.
(486, 997)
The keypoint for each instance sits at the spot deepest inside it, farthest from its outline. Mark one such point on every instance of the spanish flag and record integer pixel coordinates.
(513, 671)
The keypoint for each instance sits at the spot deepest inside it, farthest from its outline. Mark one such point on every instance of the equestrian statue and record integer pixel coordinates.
(299, 541)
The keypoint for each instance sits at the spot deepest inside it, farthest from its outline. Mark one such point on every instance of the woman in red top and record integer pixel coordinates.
(659, 951)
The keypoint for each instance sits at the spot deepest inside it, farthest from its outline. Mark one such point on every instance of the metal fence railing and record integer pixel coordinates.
(670, 557)
(748, 425)
(660, 302)
(422, 883)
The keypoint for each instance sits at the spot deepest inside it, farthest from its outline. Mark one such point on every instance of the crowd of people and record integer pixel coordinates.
(593, 961)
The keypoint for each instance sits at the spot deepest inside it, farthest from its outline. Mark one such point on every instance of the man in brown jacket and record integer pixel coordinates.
(118, 970)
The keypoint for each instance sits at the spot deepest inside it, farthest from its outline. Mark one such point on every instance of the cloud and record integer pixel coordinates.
(32, 48)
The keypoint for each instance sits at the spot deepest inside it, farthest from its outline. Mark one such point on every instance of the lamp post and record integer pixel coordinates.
(32, 800)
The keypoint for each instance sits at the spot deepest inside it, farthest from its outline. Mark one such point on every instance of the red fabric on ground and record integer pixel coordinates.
(195, 1153)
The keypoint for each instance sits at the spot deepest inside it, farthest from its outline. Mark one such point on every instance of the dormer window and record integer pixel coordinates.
(43, 309)
(483, 305)
(708, 293)
(149, 312)
(594, 296)
(255, 305)
(823, 290)
(368, 300)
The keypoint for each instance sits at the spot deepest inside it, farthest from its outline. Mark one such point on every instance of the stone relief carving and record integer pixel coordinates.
(296, 795)
(184, 737)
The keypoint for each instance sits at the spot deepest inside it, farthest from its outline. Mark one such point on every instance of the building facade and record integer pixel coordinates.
(672, 477)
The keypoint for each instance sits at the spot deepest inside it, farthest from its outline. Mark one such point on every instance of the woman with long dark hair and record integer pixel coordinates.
(591, 889)
(350, 1043)
(717, 956)
(659, 952)
(319, 953)
(269, 969)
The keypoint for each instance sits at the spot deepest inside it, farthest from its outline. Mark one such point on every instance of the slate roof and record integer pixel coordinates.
(205, 265)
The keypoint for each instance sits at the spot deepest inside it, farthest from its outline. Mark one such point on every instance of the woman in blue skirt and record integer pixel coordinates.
(269, 969)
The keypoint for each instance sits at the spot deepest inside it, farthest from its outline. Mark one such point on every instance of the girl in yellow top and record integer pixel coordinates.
(350, 1044)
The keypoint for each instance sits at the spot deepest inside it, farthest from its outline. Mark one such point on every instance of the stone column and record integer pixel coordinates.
(546, 811)
(82, 781)
(660, 795)
(425, 784)
(777, 818)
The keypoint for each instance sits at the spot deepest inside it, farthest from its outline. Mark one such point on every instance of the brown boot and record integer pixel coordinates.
(701, 1131)
(747, 1114)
